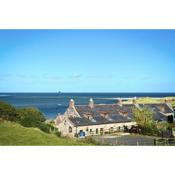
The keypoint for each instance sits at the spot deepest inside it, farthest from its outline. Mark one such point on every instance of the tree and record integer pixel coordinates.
(144, 118)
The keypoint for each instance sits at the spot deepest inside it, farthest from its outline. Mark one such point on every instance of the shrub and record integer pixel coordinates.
(144, 119)
(27, 117)
(173, 104)
(8, 112)
(75, 135)
(58, 133)
(31, 117)
(43, 127)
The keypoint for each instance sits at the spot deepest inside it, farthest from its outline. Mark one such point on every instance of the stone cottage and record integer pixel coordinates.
(94, 119)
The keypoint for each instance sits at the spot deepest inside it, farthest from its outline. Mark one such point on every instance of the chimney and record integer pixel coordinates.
(71, 103)
(91, 103)
(134, 100)
(162, 108)
(119, 102)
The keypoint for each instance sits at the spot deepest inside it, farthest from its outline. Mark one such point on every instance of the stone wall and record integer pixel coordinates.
(64, 128)
(104, 128)
(68, 129)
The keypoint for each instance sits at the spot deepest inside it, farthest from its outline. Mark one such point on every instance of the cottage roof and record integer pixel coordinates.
(102, 114)
(114, 113)
(158, 107)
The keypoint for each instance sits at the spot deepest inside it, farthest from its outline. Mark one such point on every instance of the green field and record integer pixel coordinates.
(15, 134)
(145, 100)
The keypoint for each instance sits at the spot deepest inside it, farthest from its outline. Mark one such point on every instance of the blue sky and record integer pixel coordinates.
(87, 60)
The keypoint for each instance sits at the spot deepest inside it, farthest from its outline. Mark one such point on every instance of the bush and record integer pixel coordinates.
(173, 104)
(58, 133)
(31, 117)
(75, 135)
(8, 112)
(27, 117)
(43, 127)
(144, 119)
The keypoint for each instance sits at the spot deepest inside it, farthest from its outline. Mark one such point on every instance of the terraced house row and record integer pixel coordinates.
(94, 119)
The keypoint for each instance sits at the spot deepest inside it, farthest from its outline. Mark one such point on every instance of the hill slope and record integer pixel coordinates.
(15, 134)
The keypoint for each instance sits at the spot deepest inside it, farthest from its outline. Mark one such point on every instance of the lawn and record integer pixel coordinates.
(15, 134)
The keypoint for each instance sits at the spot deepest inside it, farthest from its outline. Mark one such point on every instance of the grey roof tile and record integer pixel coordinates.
(114, 113)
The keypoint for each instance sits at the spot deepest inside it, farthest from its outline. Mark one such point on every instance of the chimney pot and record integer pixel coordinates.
(134, 100)
(71, 103)
(119, 102)
(91, 103)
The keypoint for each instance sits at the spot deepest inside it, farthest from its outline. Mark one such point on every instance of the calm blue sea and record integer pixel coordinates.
(50, 104)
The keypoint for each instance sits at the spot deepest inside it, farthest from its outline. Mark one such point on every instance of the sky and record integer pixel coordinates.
(87, 60)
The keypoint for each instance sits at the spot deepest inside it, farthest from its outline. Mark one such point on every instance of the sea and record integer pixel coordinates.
(52, 104)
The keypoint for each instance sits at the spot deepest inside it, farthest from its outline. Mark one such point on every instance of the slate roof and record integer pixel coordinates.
(158, 107)
(98, 120)
(114, 113)
(159, 116)
(157, 110)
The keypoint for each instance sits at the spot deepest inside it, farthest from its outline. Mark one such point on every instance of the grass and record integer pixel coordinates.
(17, 135)
(145, 100)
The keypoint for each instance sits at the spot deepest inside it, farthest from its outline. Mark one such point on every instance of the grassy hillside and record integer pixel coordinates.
(15, 134)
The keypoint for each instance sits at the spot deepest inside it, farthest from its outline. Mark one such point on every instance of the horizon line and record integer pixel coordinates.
(88, 92)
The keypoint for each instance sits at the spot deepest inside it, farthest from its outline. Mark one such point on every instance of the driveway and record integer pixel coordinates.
(126, 139)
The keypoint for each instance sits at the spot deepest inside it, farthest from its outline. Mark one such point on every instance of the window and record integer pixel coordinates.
(111, 129)
(101, 130)
(96, 130)
(70, 129)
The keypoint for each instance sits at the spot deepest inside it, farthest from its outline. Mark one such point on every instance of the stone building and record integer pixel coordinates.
(94, 119)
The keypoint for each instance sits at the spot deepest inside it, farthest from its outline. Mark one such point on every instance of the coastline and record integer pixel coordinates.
(50, 104)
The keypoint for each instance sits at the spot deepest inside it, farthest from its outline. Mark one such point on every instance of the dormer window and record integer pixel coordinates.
(162, 108)
(123, 113)
(104, 114)
(88, 116)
